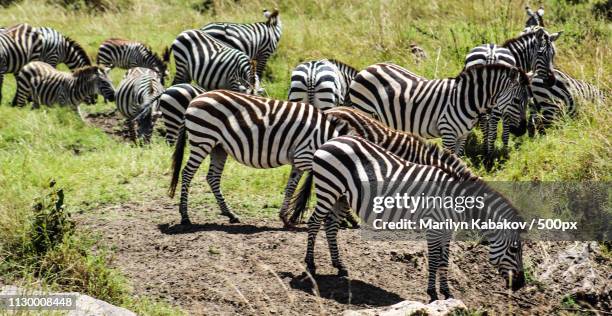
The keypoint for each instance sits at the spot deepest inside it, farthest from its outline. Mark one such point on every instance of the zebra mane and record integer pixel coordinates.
(86, 71)
(350, 69)
(78, 49)
(536, 32)
(523, 78)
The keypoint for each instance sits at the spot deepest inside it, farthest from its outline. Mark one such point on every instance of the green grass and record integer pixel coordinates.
(95, 169)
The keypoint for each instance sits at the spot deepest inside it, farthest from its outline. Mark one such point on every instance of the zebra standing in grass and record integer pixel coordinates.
(173, 104)
(257, 40)
(446, 108)
(126, 54)
(46, 85)
(514, 115)
(257, 132)
(322, 83)
(19, 45)
(139, 88)
(350, 172)
(212, 65)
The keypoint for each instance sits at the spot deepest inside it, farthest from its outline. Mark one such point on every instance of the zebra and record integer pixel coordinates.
(19, 45)
(514, 115)
(212, 65)
(126, 54)
(47, 85)
(138, 89)
(534, 21)
(59, 49)
(350, 172)
(257, 40)
(444, 108)
(550, 101)
(172, 104)
(257, 132)
(320, 83)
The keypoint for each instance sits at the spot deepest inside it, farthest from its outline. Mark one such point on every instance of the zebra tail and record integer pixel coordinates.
(301, 199)
(177, 160)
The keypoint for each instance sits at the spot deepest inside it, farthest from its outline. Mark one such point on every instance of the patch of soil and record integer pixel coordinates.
(111, 122)
(255, 267)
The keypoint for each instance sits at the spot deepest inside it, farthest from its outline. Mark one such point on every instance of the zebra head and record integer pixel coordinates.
(543, 62)
(506, 253)
(104, 85)
(515, 113)
(271, 17)
(249, 83)
(534, 18)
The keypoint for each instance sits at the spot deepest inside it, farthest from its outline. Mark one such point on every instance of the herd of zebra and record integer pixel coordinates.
(340, 126)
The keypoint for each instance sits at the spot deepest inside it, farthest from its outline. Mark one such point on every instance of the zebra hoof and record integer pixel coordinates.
(343, 273)
(234, 220)
(448, 296)
(185, 221)
(433, 296)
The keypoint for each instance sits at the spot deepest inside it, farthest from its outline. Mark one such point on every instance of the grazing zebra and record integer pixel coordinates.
(138, 89)
(126, 54)
(212, 65)
(322, 83)
(47, 85)
(351, 172)
(19, 45)
(257, 40)
(552, 102)
(172, 104)
(446, 108)
(257, 132)
(59, 49)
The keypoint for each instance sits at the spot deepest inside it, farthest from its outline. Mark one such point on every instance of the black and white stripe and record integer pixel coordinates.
(212, 65)
(256, 132)
(322, 83)
(59, 49)
(173, 103)
(257, 40)
(139, 88)
(46, 85)
(19, 45)
(446, 108)
(349, 172)
(126, 54)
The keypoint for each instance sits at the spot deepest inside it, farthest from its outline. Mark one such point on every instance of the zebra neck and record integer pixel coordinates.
(524, 52)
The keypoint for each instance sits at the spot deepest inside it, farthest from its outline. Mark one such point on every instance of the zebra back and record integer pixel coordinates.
(126, 54)
(19, 45)
(487, 54)
(406, 145)
(258, 40)
(173, 103)
(58, 49)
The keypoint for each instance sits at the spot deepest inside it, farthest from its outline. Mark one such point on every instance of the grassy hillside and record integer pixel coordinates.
(96, 169)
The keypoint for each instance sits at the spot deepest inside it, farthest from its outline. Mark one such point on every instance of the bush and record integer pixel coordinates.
(51, 223)
(92, 5)
(603, 9)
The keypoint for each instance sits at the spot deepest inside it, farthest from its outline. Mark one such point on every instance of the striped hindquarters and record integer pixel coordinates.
(139, 87)
(19, 45)
(173, 103)
(318, 83)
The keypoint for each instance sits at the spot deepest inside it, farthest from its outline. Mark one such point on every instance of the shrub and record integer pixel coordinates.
(92, 5)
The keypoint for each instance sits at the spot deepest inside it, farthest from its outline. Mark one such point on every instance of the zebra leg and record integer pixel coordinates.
(294, 179)
(197, 153)
(460, 145)
(433, 254)
(332, 223)
(505, 133)
(130, 127)
(491, 138)
(218, 157)
(443, 265)
(314, 224)
(483, 123)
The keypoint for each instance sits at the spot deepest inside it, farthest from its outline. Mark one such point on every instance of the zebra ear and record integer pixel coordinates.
(529, 12)
(555, 36)
(540, 11)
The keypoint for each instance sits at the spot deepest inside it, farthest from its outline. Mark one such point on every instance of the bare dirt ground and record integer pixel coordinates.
(255, 267)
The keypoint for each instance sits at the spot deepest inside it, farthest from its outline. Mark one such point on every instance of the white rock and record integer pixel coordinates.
(405, 308)
(85, 305)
